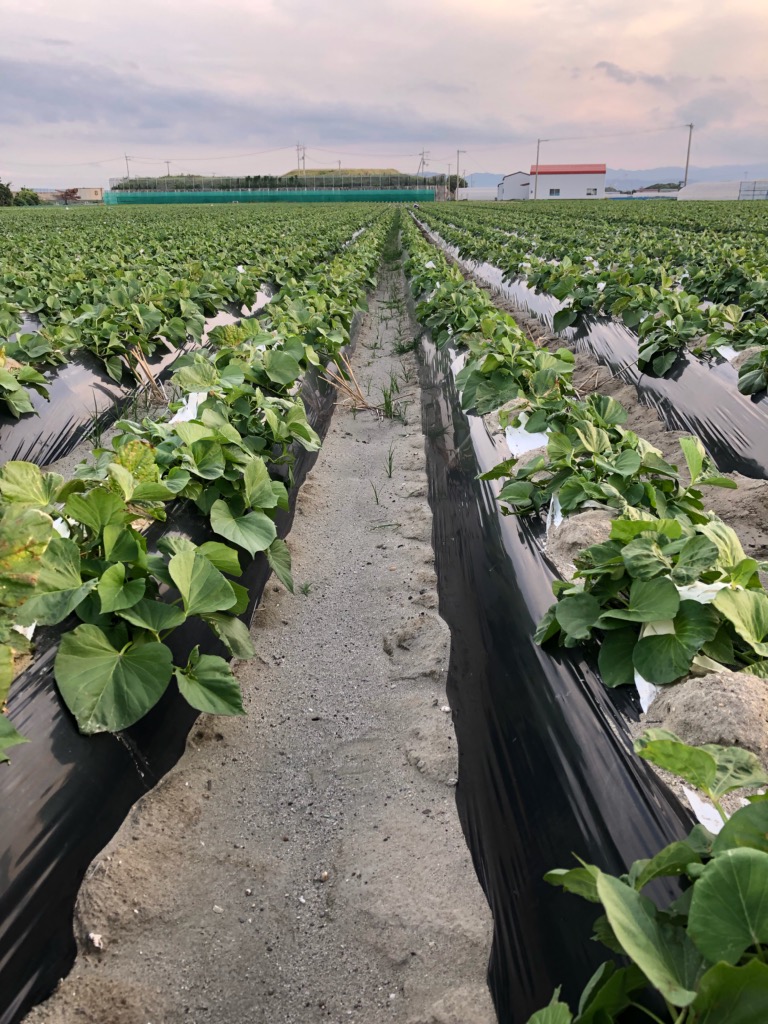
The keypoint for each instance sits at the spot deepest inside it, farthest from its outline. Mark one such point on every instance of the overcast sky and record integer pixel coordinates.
(213, 85)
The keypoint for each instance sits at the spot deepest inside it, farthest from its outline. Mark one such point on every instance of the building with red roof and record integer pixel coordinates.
(567, 181)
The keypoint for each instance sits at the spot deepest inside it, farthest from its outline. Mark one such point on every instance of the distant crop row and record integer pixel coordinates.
(74, 553)
(693, 280)
(125, 284)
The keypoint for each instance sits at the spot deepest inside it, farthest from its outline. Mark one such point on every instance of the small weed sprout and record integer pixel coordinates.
(390, 463)
(387, 403)
(97, 426)
(375, 492)
(305, 589)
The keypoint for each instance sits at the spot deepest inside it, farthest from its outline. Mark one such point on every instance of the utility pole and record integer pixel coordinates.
(304, 159)
(127, 168)
(456, 193)
(168, 166)
(448, 182)
(298, 156)
(536, 179)
(423, 162)
(688, 154)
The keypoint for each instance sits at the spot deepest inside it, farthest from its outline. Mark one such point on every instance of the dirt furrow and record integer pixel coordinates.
(306, 863)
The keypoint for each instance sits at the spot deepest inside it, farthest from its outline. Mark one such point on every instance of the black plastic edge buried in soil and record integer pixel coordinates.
(546, 768)
(697, 396)
(65, 795)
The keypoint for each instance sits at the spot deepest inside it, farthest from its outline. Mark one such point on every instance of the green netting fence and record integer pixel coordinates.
(383, 195)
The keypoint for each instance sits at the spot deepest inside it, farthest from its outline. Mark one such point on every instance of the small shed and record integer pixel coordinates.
(568, 181)
(514, 186)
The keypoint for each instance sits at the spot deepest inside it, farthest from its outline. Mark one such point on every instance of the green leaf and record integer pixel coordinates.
(24, 537)
(243, 599)
(201, 585)
(649, 601)
(281, 367)
(205, 459)
(579, 881)
(124, 544)
(609, 991)
(156, 616)
(222, 556)
(279, 558)
(207, 683)
(644, 557)
(627, 463)
(672, 860)
(608, 411)
(748, 827)
(556, 1012)
(564, 318)
(743, 573)
(666, 751)
(736, 769)
(747, 610)
(6, 673)
(694, 453)
(729, 908)
(733, 995)
(232, 632)
(577, 615)
(60, 587)
(105, 689)
(559, 446)
(666, 657)
(517, 493)
(593, 438)
(9, 737)
(254, 531)
(97, 509)
(627, 529)
(726, 540)
(615, 657)
(115, 593)
(603, 933)
(548, 627)
(663, 953)
(696, 556)
(258, 485)
(24, 483)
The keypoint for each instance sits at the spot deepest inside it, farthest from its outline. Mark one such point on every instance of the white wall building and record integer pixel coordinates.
(478, 193)
(514, 186)
(568, 181)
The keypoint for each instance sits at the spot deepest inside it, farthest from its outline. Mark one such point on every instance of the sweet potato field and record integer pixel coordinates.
(165, 378)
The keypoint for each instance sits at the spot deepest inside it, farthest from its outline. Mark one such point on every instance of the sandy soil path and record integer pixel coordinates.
(306, 863)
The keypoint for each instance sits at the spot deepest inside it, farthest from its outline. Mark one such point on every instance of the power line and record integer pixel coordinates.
(613, 135)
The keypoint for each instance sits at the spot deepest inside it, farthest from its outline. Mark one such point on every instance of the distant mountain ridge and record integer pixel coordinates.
(620, 178)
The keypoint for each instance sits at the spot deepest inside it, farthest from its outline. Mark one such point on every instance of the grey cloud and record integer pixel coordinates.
(615, 72)
(625, 77)
(106, 104)
(57, 42)
(717, 107)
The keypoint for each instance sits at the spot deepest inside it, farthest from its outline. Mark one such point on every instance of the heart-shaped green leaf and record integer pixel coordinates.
(115, 593)
(60, 587)
(207, 683)
(202, 587)
(107, 689)
(253, 531)
(729, 908)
